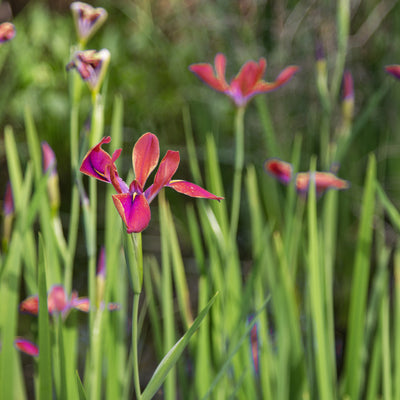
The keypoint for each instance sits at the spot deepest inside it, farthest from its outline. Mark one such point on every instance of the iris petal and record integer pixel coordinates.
(134, 210)
(30, 305)
(168, 166)
(145, 155)
(26, 347)
(192, 190)
(279, 169)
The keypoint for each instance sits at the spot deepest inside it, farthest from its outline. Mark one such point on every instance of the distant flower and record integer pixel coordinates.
(247, 83)
(87, 19)
(50, 165)
(279, 169)
(133, 201)
(348, 96)
(323, 181)
(57, 302)
(8, 204)
(92, 66)
(393, 70)
(254, 345)
(7, 32)
(26, 347)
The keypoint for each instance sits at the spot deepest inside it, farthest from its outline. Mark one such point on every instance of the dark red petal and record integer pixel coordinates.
(168, 166)
(145, 155)
(279, 169)
(134, 211)
(192, 190)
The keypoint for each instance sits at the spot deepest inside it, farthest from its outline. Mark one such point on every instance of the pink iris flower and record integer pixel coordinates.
(246, 84)
(87, 19)
(7, 32)
(133, 201)
(57, 302)
(282, 171)
(323, 181)
(26, 346)
(279, 169)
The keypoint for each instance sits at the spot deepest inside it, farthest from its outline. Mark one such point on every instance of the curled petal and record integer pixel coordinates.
(30, 305)
(134, 211)
(145, 157)
(168, 166)
(192, 190)
(57, 300)
(7, 32)
(323, 181)
(393, 70)
(279, 169)
(26, 346)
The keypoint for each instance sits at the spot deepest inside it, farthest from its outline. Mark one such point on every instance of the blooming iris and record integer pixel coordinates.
(87, 19)
(133, 201)
(246, 84)
(7, 32)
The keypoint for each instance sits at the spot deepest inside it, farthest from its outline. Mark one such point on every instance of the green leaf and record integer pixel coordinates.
(173, 355)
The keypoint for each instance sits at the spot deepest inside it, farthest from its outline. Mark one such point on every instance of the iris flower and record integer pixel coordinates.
(57, 302)
(246, 84)
(133, 201)
(26, 346)
(282, 171)
(323, 181)
(393, 70)
(92, 66)
(87, 19)
(7, 32)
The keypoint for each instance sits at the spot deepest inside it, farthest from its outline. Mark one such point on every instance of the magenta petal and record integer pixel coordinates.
(192, 190)
(168, 166)
(26, 347)
(96, 162)
(145, 155)
(134, 211)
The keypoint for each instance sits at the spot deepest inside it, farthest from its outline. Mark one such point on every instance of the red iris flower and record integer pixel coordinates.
(323, 181)
(133, 201)
(393, 70)
(246, 84)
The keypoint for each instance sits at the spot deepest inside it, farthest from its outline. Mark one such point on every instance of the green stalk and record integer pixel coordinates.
(237, 178)
(136, 380)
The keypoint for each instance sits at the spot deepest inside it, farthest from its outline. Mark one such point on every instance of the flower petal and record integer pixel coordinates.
(283, 77)
(30, 305)
(26, 346)
(57, 300)
(81, 304)
(248, 76)
(279, 169)
(134, 211)
(192, 190)
(323, 181)
(168, 166)
(96, 161)
(206, 73)
(145, 155)
(393, 70)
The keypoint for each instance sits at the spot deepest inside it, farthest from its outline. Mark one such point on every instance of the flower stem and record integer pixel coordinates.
(237, 179)
(135, 312)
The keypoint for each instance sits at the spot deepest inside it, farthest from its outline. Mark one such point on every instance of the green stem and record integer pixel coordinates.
(237, 179)
(135, 312)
